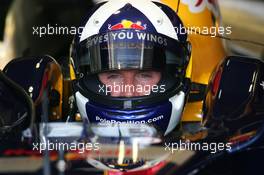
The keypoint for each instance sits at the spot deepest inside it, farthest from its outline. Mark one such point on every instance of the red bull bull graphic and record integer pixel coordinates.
(127, 24)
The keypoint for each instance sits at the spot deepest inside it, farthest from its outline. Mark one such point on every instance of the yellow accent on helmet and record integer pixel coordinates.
(72, 73)
(189, 69)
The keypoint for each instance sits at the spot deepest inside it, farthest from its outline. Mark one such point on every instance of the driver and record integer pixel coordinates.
(129, 79)
(130, 64)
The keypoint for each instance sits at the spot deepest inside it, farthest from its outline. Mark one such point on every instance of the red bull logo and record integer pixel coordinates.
(127, 24)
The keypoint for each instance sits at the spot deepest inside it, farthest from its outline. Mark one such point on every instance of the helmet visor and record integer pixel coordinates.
(129, 49)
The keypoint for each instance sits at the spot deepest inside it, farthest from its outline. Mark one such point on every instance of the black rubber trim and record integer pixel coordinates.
(197, 92)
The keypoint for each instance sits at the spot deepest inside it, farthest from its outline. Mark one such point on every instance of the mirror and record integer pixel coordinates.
(234, 103)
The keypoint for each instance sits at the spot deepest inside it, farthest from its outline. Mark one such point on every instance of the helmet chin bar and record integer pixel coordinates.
(176, 102)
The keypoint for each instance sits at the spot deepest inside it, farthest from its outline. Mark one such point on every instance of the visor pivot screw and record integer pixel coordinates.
(159, 21)
(96, 22)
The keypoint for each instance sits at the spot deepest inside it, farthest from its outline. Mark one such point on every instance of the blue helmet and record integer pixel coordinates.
(131, 35)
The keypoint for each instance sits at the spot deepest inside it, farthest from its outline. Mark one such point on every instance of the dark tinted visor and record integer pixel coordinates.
(130, 49)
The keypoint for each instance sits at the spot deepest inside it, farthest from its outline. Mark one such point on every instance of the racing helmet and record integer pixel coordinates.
(141, 35)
